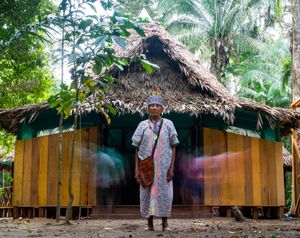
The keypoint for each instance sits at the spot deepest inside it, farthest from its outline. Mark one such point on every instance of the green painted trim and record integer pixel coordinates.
(244, 120)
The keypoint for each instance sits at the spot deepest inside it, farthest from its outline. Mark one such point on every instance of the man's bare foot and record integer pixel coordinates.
(167, 228)
(165, 225)
(149, 228)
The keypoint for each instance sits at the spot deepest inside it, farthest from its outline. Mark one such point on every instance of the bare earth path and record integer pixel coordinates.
(210, 227)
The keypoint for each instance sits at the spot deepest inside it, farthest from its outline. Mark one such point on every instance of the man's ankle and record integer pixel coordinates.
(165, 222)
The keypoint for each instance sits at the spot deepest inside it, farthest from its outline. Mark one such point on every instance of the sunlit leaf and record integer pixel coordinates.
(120, 41)
(147, 65)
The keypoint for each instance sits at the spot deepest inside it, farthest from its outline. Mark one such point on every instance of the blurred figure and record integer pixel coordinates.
(191, 181)
(110, 174)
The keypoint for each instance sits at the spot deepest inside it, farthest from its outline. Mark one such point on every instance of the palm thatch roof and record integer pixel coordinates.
(287, 157)
(184, 83)
(10, 119)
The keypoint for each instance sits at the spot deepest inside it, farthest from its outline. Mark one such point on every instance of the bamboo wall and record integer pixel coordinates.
(35, 170)
(240, 170)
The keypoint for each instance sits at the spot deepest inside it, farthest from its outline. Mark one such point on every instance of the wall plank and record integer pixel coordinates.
(43, 170)
(240, 184)
(18, 173)
(52, 170)
(279, 174)
(92, 155)
(84, 167)
(248, 170)
(264, 172)
(34, 190)
(76, 172)
(219, 154)
(272, 181)
(27, 172)
(232, 168)
(66, 153)
(256, 168)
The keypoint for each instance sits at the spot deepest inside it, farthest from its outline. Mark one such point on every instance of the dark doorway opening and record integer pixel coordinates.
(119, 153)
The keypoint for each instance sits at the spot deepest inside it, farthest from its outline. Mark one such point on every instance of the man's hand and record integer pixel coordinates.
(137, 177)
(170, 174)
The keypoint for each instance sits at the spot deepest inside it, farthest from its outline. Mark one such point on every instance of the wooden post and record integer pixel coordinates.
(255, 212)
(280, 212)
(16, 212)
(295, 173)
(41, 212)
(295, 166)
(297, 207)
(228, 212)
(30, 212)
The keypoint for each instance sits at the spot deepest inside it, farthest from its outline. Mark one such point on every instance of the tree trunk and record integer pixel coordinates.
(75, 126)
(71, 195)
(221, 56)
(61, 121)
(296, 95)
(59, 166)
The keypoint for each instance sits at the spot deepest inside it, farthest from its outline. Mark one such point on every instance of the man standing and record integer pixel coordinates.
(156, 199)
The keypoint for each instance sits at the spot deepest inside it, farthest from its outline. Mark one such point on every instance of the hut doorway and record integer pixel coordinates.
(118, 183)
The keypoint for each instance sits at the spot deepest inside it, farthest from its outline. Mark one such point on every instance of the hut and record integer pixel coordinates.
(230, 151)
(6, 165)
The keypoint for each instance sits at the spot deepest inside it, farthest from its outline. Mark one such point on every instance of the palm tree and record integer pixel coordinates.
(265, 77)
(226, 28)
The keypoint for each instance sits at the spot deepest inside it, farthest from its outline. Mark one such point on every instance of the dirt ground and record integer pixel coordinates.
(204, 227)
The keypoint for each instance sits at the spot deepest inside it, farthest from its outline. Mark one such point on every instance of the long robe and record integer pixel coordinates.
(156, 200)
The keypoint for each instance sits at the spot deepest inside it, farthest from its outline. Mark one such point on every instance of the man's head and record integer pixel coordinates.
(155, 105)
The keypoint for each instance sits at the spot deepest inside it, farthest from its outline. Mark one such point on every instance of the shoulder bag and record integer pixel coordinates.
(146, 166)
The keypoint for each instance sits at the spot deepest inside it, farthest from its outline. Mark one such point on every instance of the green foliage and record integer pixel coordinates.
(7, 142)
(24, 72)
(5, 179)
(288, 189)
(218, 30)
(265, 77)
(223, 27)
(91, 39)
(25, 76)
(287, 143)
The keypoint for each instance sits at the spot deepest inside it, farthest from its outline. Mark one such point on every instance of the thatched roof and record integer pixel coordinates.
(287, 157)
(185, 84)
(10, 119)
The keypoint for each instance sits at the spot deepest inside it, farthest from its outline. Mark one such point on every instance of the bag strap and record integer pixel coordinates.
(153, 150)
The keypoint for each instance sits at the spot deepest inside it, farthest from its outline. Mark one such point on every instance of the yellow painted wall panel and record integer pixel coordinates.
(92, 155)
(26, 182)
(256, 179)
(43, 170)
(18, 173)
(279, 174)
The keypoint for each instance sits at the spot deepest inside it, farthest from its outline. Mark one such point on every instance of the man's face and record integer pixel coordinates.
(155, 110)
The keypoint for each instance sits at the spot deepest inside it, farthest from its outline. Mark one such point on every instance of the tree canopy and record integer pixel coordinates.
(25, 75)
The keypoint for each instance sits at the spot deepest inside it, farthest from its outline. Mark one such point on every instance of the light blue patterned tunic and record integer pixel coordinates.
(156, 200)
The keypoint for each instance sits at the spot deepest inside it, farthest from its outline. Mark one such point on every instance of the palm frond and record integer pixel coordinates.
(230, 20)
(243, 43)
(201, 11)
(185, 22)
